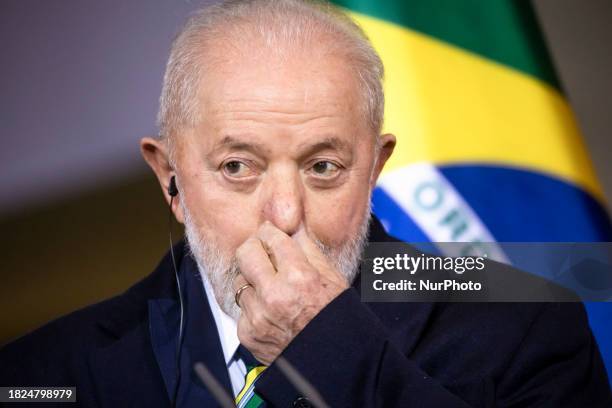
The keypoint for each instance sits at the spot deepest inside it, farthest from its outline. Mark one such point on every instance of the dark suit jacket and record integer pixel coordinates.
(356, 354)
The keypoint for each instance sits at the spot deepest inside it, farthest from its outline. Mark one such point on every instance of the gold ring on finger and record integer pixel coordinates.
(239, 292)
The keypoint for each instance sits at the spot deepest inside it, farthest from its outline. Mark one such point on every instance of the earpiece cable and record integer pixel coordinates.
(179, 344)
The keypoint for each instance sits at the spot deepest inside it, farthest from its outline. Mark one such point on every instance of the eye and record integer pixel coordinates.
(325, 168)
(237, 169)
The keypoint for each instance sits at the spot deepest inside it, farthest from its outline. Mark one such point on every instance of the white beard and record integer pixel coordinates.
(221, 269)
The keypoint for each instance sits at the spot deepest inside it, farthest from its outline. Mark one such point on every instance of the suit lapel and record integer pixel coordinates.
(123, 366)
(202, 343)
(125, 372)
(139, 338)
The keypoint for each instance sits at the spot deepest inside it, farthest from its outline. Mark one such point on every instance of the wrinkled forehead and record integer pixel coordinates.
(305, 78)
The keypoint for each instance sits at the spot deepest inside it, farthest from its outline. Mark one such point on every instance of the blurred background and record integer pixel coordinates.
(81, 216)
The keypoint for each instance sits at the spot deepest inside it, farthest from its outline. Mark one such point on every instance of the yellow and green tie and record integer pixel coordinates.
(247, 398)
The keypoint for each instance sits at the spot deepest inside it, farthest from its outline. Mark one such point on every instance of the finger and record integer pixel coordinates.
(261, 327)
(249, 304)
(254, 264)
(239, 282)
(253, 303)
(313, 253)
(316, 257)
(283, 251)
(264, 352)
(246, 298)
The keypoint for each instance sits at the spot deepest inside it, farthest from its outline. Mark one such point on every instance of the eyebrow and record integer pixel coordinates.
(329, 143)
(234, 143)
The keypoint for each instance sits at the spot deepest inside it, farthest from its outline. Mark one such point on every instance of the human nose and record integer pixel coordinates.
(284, 200)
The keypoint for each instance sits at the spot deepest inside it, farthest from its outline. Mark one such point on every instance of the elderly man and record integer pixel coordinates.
(270, 120)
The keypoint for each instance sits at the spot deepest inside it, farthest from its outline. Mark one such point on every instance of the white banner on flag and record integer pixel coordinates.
(423, 192)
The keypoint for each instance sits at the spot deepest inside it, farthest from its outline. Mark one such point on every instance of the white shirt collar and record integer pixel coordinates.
(226, 326)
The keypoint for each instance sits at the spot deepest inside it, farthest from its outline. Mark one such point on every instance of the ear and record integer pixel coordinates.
(155, 153)
(386, 149)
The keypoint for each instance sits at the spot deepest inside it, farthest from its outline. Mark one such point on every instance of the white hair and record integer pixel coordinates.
(275, 24)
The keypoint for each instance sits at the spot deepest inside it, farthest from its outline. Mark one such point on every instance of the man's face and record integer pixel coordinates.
(280, 140)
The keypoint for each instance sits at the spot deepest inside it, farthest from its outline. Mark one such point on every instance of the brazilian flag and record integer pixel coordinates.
(488, 147)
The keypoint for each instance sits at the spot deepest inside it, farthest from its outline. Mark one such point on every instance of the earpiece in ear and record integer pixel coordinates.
(172, 190)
